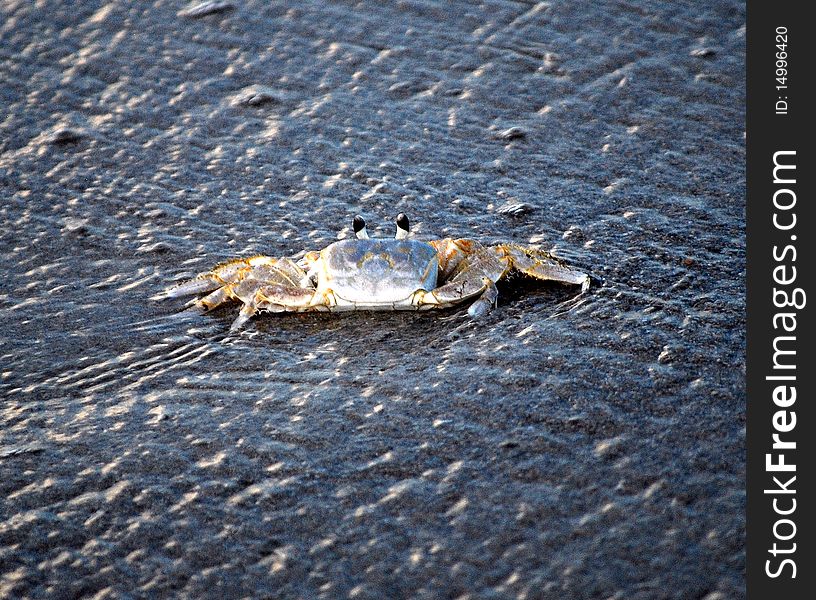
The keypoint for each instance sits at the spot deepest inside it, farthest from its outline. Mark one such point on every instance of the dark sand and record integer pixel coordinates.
(557, 449)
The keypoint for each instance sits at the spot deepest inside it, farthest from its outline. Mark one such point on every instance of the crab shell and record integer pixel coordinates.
(372, 274)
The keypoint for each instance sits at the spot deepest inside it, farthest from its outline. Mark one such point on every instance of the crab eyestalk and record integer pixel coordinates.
(403, 226)
(359, 226)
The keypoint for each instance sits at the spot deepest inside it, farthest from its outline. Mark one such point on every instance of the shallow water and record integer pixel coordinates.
(561, 447)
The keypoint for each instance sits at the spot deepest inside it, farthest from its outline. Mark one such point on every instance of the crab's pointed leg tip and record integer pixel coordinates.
(194, 308)
(199, 285)
(245, 315)
(238, 323)
(585, 284)
(478, 309)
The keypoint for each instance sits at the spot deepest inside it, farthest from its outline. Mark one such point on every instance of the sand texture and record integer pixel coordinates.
(559, 448)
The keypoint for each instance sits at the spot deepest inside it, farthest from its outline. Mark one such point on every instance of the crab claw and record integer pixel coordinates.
(486, 301)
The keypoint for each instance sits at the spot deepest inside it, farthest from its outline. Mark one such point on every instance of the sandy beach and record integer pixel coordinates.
(559, 448)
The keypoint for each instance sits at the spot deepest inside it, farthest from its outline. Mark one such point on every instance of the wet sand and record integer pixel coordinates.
(558, 448)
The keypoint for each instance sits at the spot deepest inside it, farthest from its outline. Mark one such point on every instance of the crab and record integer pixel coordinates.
(364, 273)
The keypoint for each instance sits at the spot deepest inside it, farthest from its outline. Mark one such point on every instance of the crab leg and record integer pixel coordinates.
(199, 285)
(246, 313)
(213, 300)
(231, 271)
(458, 291)
(473, 271)
(486, 301)
(250, 295)
(470, 276)
(284, 298)
(276, 298)
(541, 265)
(453, 252)
(267, 268)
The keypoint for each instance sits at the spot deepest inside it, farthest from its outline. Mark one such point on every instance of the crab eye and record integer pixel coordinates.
(358, 224)
(402, 226)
